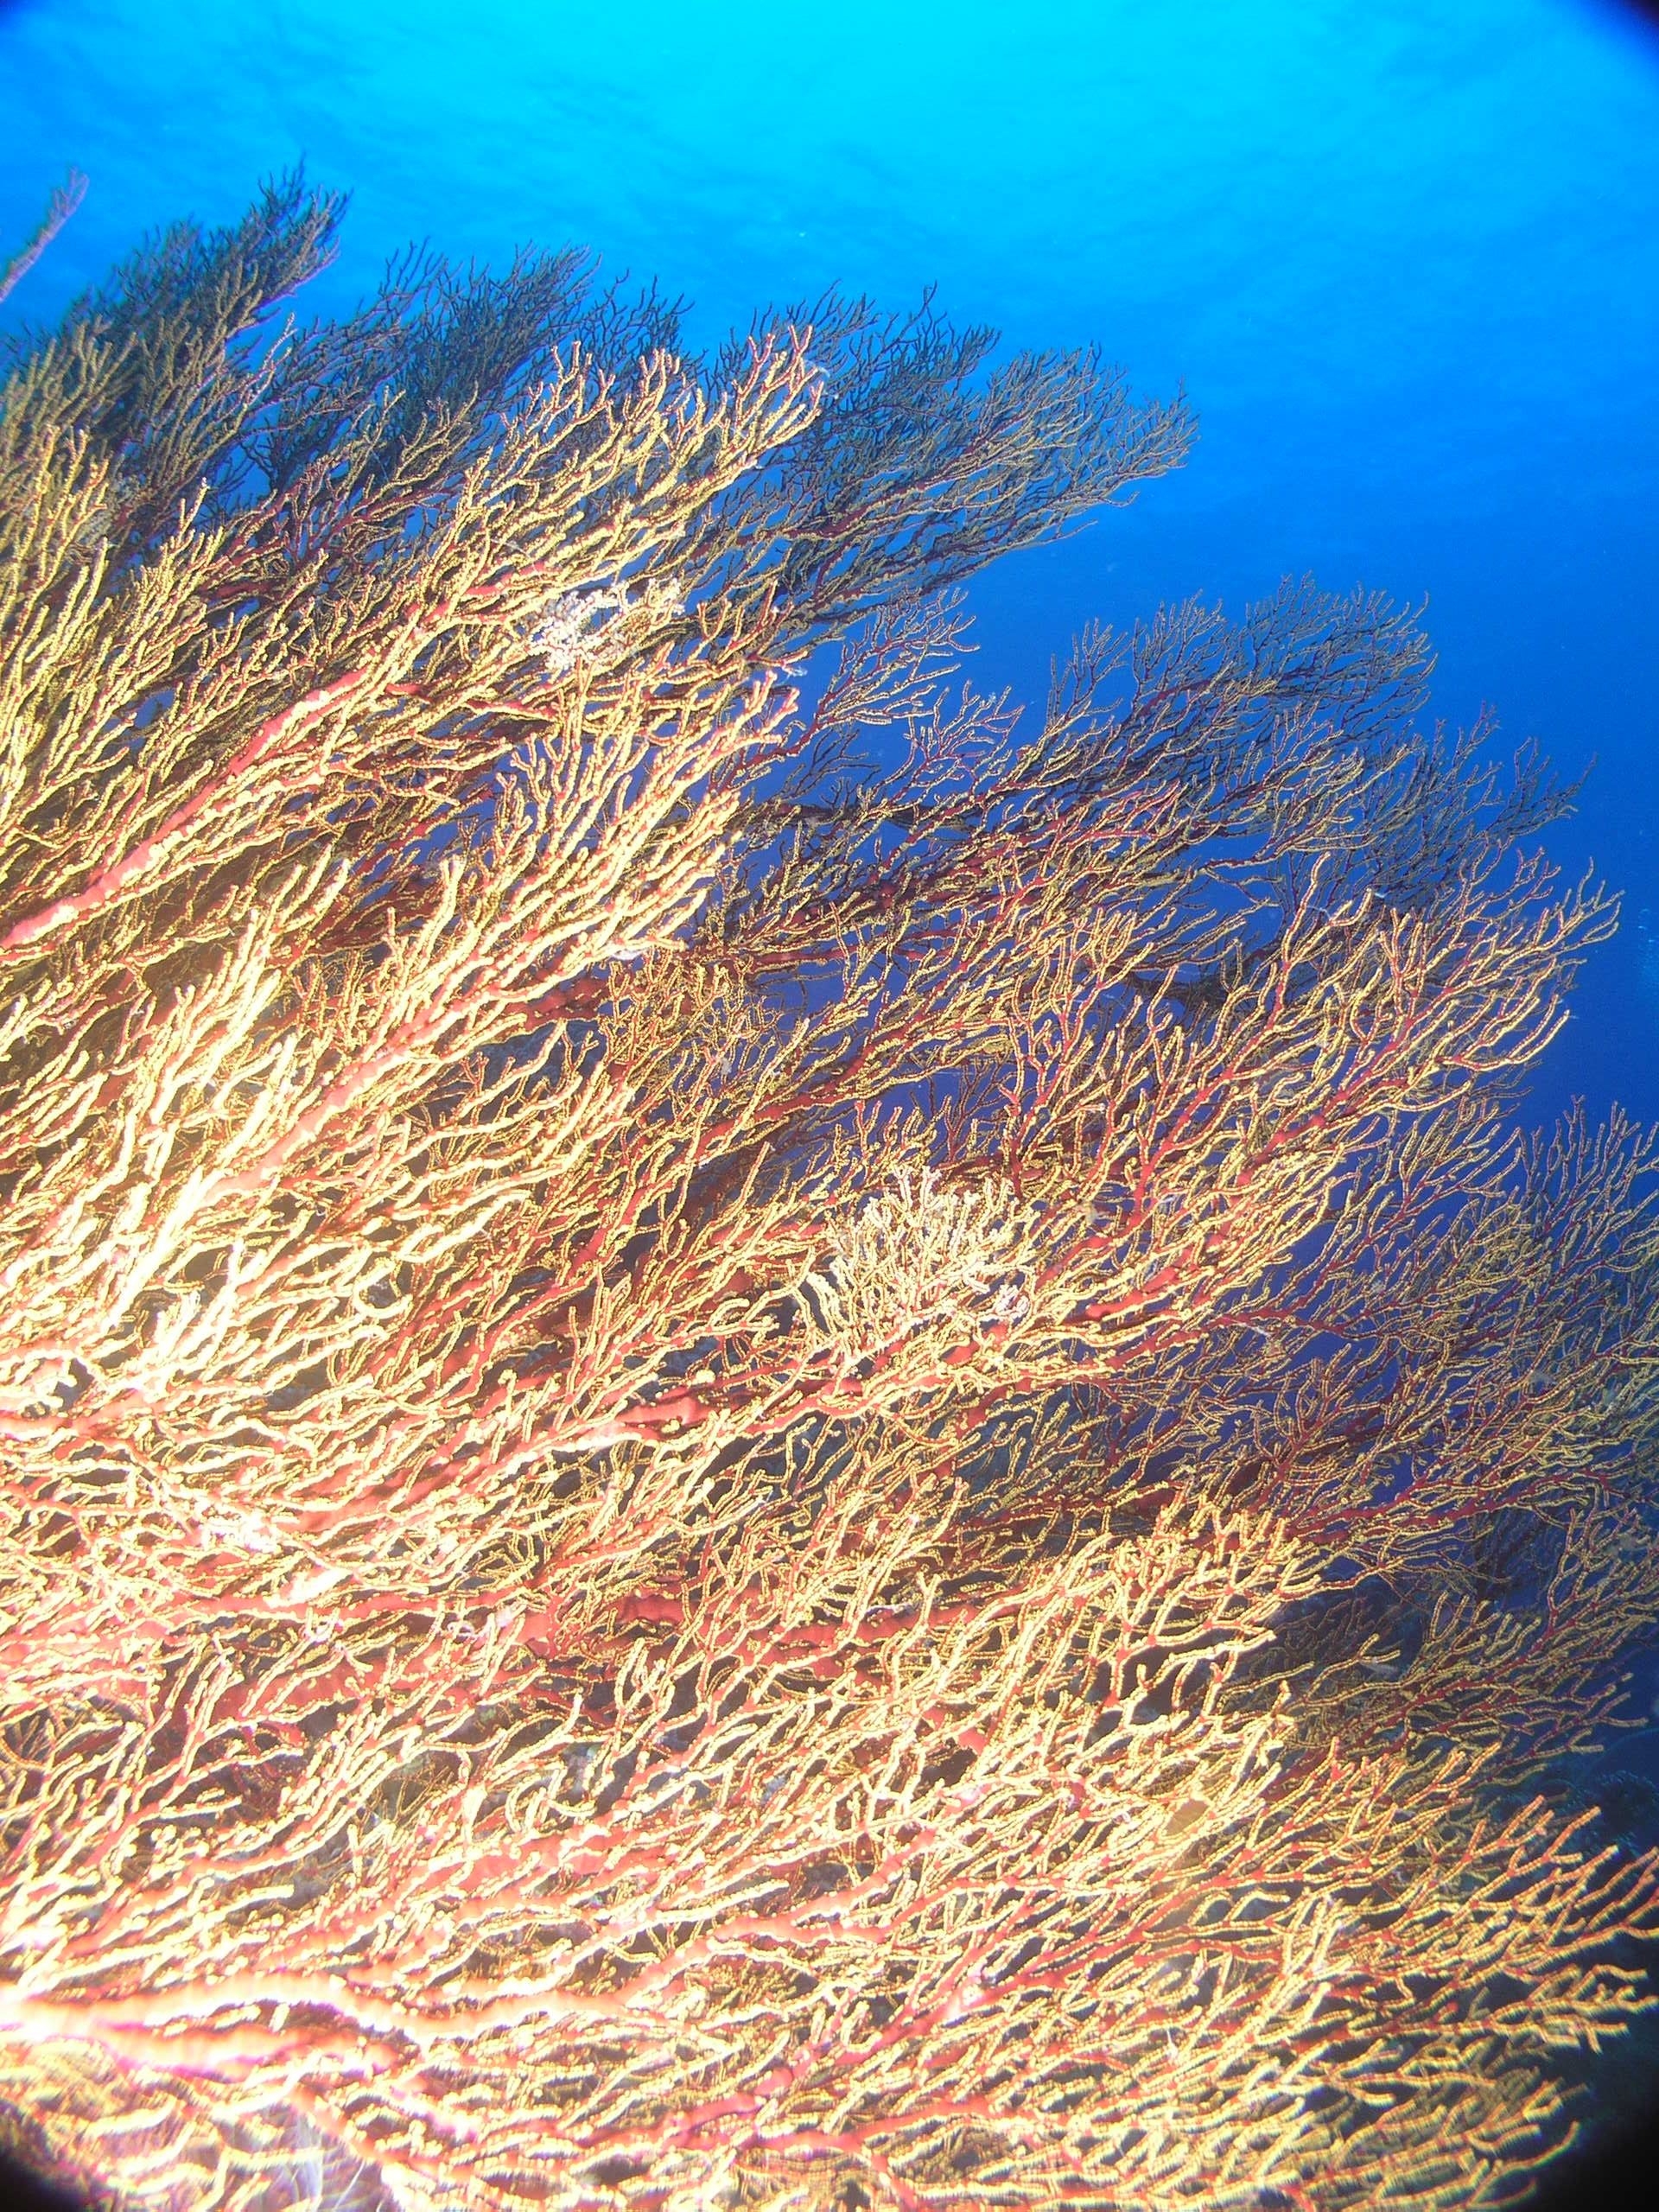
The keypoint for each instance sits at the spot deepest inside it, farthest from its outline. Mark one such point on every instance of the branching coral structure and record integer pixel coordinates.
(735, 1470)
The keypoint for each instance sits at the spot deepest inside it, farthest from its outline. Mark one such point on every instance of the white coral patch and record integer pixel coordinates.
(919, 1253)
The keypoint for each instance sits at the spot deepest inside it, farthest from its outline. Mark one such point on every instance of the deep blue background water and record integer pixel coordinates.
(1403, 253)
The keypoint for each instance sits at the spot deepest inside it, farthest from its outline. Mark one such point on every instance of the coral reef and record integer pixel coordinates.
(731, 1474)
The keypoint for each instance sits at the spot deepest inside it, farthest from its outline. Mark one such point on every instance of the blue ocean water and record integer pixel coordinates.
(1404, 257)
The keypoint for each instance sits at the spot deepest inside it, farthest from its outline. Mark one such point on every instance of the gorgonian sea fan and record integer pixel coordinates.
(732, 1476)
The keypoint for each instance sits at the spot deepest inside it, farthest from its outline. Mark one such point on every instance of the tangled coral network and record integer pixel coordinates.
(760, 1446)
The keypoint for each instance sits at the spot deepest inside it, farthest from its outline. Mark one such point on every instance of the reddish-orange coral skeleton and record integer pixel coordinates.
(762, 1444)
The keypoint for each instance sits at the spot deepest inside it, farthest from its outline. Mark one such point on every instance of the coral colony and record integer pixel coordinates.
(765, 1443)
